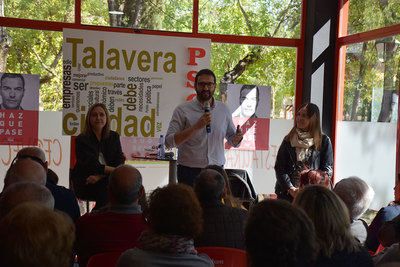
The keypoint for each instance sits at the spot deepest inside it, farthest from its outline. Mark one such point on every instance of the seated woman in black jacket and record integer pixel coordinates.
(98, 151)
(304, 151)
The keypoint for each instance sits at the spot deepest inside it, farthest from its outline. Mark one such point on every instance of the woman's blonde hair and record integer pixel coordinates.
(330, 217)
(88, 128)
(315, 124)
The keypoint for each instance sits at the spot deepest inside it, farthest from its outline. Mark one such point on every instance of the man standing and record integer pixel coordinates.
(198, 129)
(12, 90)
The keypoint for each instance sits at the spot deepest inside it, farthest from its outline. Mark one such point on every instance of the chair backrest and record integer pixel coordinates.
(225, 257)
(107, 259)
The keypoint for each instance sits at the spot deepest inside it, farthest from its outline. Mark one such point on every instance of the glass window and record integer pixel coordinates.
(365, 145)
(50, 10)
(365, 15)
(271, 18)
(372, 81)
(38, 52)
(260, 65)
(169, 15)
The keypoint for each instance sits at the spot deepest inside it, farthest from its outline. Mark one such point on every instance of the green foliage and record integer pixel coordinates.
(367, 72)
(273, 18)
(51, 10)
(35, 51)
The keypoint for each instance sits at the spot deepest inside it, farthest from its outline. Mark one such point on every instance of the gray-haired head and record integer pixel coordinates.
(25, 170)
(356, 194)
(32, 151)
(125, 185)
(22, 192)
(209, 185)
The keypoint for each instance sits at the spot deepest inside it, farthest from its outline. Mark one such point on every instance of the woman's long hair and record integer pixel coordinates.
(314, 127)
(330, 217)
(88, 128)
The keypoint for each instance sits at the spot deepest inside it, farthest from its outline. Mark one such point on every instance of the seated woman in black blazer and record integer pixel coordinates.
(98, 151)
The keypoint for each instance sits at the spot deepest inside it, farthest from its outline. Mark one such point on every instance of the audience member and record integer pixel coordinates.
(389, 237)
(357, 195)
(278, 234)
(33, 235)
(390, 232)
(228, 198)
(337, 246)
(52, 176)
(22, 192)
(385, 214)
(390, 255)
(118, 225)
(223, 226)
(175, 220)
(64, 198)
(25, 170)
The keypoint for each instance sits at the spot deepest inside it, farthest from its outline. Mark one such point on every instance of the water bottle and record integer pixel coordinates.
(161, 148)
(76, 262)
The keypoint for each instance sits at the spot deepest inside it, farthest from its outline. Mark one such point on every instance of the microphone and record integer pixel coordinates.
(207, 110)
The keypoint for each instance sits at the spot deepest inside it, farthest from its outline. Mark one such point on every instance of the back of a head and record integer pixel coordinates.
(175, 210)
(278, 234)
(125, 184)
(25, 170)
(32, 235)
(356, 194)
(330, 217)
(19, 193)
(32, 151)
(209, 186)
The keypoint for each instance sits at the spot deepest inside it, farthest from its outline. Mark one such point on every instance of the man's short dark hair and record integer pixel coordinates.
(12, 76)
(123, 191)
(249, 87)
(205, 72)
(209, 185)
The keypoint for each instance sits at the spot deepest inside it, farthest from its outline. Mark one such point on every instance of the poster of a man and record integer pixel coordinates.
(249, 101)
(250, 106)
(19, 91)
(12, 90)
(19, 109)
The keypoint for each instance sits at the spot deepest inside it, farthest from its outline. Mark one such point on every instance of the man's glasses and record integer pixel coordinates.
(204, 84)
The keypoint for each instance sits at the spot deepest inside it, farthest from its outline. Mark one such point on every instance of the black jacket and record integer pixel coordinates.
(223, 226)
(88, 148)
(285, 165)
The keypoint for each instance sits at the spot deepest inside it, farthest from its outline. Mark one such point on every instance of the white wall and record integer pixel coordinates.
(368, 150)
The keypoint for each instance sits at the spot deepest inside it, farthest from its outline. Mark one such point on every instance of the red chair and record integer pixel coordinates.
(107, 259)
(379, 249)
(225, 257)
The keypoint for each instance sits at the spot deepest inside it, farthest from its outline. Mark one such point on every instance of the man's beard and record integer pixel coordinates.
(203, 95)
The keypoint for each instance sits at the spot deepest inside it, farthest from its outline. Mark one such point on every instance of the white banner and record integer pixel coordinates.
(140, 78)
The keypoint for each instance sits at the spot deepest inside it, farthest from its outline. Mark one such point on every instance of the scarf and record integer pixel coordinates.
(173, 244)
(302, 141)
